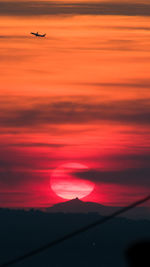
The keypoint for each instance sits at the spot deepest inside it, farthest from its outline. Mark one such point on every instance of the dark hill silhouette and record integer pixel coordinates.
(78, 206)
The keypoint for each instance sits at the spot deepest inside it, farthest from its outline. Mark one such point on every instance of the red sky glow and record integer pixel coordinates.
(81, 95)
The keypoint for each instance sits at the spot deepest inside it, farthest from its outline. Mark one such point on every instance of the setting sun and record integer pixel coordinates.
(68, 186)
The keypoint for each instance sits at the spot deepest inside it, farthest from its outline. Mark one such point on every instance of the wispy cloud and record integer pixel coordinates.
(133, 84)
(32, 144)
(14, 37)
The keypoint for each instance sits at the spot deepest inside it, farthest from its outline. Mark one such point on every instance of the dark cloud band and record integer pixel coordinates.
(129, 177)
(33, 8)
(72, 111)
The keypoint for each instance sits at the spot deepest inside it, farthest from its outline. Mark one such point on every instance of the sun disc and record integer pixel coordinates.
(67, 185)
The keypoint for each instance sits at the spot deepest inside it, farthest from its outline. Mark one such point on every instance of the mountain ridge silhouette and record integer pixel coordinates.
(78, 206)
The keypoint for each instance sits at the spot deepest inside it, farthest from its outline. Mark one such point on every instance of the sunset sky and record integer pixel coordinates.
(79, 96)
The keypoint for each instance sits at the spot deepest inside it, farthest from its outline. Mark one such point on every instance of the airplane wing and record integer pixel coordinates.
(42, 35)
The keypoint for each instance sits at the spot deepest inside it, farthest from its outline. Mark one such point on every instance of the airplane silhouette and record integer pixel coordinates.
(38, 35)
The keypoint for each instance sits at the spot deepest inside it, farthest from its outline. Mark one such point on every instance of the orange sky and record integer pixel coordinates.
(79, 95)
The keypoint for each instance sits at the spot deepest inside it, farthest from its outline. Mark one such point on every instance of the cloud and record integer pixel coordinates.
(14, 160)
(121, 27)
(26, 144)
(14, 37)
(20, 168)
(74, 111)
(36, 8)
(131, 177)
(137, 85)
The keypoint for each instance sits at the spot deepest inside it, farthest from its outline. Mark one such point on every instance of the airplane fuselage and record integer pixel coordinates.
(38, 35)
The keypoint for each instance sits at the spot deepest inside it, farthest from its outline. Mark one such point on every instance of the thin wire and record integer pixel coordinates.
(75, 233)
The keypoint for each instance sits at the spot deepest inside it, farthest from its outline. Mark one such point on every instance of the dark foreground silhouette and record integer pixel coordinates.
(22, 231)
(138, 254)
